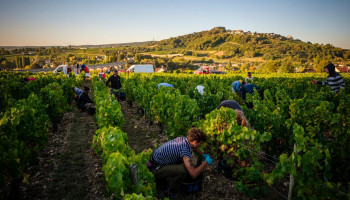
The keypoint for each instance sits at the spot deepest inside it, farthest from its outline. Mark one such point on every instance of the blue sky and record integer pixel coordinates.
(78, 22)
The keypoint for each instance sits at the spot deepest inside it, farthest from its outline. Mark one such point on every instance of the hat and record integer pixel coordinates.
(331, 69)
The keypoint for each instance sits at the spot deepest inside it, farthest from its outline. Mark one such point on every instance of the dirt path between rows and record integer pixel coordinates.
(67, 168)
(141, 134)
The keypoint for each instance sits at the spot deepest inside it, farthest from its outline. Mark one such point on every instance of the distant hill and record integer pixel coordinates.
(87, 46)
(238, 43)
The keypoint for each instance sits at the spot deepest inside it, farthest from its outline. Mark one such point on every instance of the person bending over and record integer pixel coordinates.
(171, 161)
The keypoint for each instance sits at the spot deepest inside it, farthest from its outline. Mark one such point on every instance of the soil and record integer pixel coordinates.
(142, 134)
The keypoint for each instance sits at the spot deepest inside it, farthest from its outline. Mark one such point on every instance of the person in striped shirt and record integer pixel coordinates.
(334, 80)
(171, 161)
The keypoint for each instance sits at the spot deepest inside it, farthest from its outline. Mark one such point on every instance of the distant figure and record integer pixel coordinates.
(249, 88)
(249, 78)
(110, 70)
(82, 67)
(200, 89)
(84, 102)
(115, 84)
(87, 71)
(26, 80)
(165, 85)
(102, 75)
(334, 80)
(77, 68)
(77, 91)
(31, 79)
(236, 86)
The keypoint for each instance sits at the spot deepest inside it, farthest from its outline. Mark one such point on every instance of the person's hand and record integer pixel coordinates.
(209, 160)
(205, 156)
(314, 81)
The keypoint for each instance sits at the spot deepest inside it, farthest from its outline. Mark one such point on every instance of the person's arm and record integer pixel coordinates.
(319, 82)
(194, 172)
(120, 83)
(322, 82)
(198, 151)
(109, 80)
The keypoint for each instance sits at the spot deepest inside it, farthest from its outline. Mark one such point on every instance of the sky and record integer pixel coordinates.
(83, 22)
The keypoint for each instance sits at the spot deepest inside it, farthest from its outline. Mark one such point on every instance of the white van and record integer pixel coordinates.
(62, 68)
(141, 68)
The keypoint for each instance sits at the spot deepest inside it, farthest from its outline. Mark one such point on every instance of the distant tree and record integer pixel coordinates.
(2, 51)
(272, 66)
(287, 66)
(229, 66)
(35, 65)
(319, 66)
(121, 57)
(55, 64)
(19, 62)
(137, 58)
(25, 61)
(6, 65)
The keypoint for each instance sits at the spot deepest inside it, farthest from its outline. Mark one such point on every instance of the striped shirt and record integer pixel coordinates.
(173, 152)
(335, 82)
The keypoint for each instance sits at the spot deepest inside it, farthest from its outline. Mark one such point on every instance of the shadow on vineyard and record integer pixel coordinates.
(67, 168)
(75, 172)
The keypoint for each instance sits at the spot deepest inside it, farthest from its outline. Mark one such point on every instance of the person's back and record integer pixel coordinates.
(171, 161)
(165, 85)
(240, 117)
(173, 151)
(200, 89)
(230, 104)
(84, 99)
(247, 88)
(236, 86)
(77, 91)
(82, 67)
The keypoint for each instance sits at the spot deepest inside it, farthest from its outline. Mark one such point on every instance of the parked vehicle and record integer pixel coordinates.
(64, 69)
(206, 70)
(141, 68)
